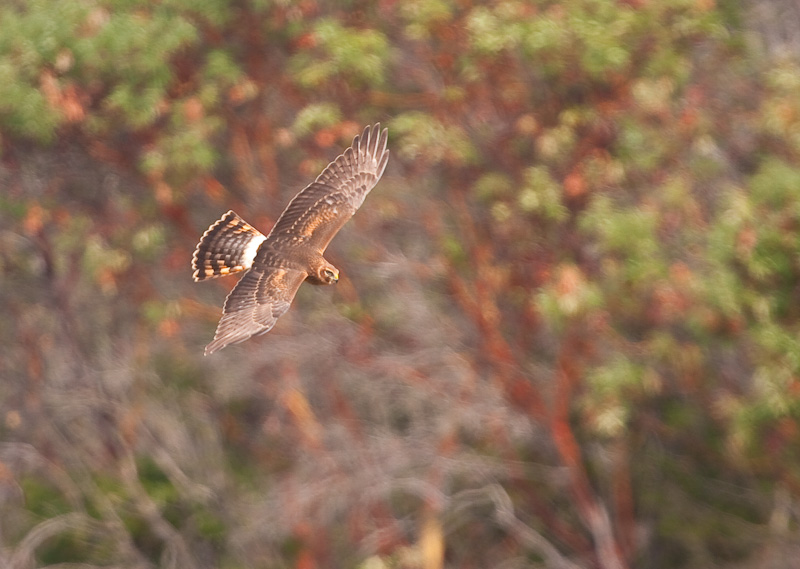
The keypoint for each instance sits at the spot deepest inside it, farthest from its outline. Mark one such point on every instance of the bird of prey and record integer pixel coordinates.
(276, 264)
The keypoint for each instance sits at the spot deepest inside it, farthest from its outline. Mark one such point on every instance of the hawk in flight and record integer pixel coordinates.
(276, 264)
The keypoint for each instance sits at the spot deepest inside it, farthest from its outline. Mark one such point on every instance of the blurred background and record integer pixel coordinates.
(567, 333)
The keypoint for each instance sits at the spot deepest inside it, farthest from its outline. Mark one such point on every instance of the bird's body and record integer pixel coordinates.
(278, 263)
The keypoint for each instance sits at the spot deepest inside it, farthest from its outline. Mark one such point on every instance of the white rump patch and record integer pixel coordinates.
(249, 252)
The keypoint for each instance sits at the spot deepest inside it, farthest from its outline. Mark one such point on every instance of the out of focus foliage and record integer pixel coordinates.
(568, 331)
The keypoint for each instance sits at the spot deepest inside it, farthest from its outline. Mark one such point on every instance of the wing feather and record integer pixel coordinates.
(255, 304)
(317, 213)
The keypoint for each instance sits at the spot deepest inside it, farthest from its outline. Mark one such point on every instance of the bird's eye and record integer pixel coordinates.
(329, 274)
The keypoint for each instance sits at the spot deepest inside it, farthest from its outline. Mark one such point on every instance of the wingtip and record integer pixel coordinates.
(382, 165)
(383, 141)
(212, 347)
(372, 140)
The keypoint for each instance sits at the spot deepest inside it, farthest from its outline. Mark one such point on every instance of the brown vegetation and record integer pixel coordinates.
(566, 333)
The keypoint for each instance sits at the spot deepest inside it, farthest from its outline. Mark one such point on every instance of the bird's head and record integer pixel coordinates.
(328, 274)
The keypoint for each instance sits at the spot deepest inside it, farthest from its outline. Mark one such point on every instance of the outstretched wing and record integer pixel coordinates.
(317, 213)
(255, 304)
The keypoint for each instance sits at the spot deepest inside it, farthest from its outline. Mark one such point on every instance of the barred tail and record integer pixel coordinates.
(227, 247)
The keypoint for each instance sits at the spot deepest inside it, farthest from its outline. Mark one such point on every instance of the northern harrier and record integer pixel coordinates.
(291, 253)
